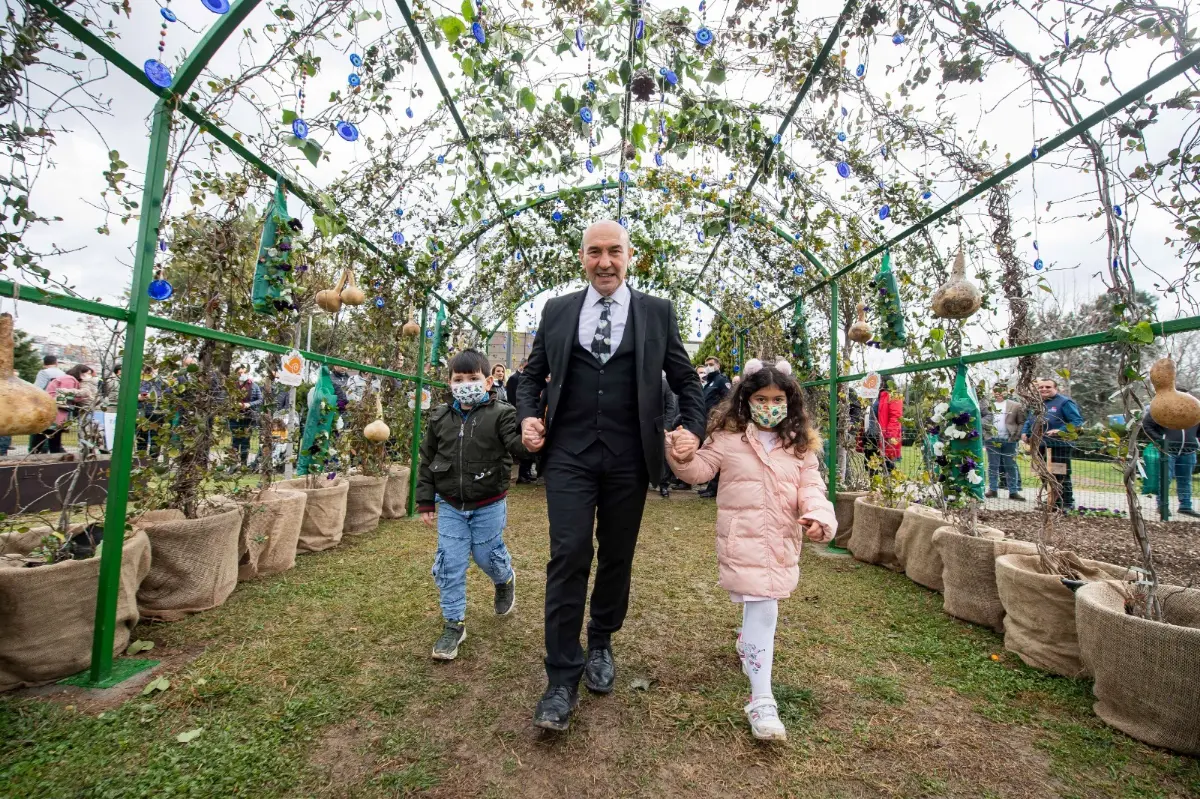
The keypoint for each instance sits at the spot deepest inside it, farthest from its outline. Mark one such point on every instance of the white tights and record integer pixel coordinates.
(757, 644)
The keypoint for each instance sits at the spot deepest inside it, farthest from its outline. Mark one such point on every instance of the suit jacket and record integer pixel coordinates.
(657, 348)
(670, 406)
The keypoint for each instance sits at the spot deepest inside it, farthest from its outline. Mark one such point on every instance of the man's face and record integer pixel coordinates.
(605, 256)
(1047, 389)
(712, 366)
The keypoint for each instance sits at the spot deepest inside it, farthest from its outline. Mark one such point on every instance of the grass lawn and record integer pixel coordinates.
(317, 683)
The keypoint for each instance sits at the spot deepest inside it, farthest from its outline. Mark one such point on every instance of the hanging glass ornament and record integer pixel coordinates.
(1117, 210)
(300, 128)
(1037, 264)
(624, 176)
(157, 72)
(860, 70)
(580, 42)
(625, 222)
(441, 159)
(841, 135)
(1033, 154)
(704, 37)
(354, 80)
(557, 216)
(585, 114)
(798, 269)
(162, 245)
(843, 169)
(397, 238)
(885, 212)
(167, 14)
(159, 289)
(671, 77)
(399, 212)
(379, 302)
(216, 6)
(776, 139)
(356, 60)
(700, 236)
(589, 165)
(347, 130)
(478, 32)
(640, 31)
(658, 161)
(844, 111)
(604, 199)
(926, 194)
(898, 38)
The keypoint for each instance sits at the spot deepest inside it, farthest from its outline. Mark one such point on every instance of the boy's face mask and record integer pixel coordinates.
(469, 394)
(767, 416)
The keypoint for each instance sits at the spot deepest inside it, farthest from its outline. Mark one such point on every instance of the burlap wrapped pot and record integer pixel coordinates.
(969, 573)
(364, 504)
(195, 565)
(48, 612)
(324, 513)
(1146, 672)
(874, 539)
(1039, 611)
(395, 498)
(914, 545)
(843, 509)
(270, 529)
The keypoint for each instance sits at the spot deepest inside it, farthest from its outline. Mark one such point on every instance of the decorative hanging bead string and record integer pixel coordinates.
(585, 113)
(299, 125)
(1037, 262)
(155, 68)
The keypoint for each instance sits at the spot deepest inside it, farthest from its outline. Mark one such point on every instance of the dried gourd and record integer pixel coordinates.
(377, 430)
(24, 408)
(330, 300)
(861, 331)
(410, 329)
(352, 294)
(1170, 408)
(958, 297)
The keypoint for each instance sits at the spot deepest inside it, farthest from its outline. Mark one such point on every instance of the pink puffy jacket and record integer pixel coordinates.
(760, 501)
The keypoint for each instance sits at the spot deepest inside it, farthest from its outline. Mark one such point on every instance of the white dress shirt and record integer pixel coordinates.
(618, 316)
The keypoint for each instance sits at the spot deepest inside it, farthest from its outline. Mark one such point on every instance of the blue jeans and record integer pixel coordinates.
(1003, 454)
(1181, 466)
(461, 536)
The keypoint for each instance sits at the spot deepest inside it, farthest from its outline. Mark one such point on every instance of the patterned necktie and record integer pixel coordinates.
(602, 340)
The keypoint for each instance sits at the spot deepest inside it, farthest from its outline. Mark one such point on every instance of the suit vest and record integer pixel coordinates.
(599, 402)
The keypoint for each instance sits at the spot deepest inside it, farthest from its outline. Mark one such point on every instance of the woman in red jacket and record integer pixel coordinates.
(882, 433)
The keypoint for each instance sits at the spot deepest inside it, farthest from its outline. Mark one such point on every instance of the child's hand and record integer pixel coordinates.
(816, 532)
(429, 517)
(683, 445)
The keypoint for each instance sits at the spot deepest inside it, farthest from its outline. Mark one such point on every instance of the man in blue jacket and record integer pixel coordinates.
(1061, 413)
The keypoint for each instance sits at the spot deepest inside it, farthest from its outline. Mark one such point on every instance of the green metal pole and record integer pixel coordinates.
(127, 403)
(415, 461)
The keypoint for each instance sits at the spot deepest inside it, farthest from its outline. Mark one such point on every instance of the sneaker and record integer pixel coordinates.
(1189, 512)
(453, 634)
(506, 596)
(990, 495)
(1016, 497)
(764, 720)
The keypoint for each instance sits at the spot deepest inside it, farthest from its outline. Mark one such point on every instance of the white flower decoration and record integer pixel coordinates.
(939, 448)
(973, 478)
(941, 408)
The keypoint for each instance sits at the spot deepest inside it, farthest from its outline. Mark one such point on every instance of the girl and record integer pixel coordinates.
(761, 442)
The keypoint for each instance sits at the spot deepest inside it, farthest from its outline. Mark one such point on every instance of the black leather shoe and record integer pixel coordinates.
(599, 674)
(554, 708)
(706, 494)
(664, 492)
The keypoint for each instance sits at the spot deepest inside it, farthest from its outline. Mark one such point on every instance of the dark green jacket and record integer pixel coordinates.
(466, 458)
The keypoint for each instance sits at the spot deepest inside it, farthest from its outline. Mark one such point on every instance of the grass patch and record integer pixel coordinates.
(317, 683)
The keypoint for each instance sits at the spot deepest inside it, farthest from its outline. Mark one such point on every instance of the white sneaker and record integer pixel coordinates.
(764, 720)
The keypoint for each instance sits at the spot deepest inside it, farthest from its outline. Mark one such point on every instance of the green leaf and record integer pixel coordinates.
(527, 98)
(716, 75)
(937, 334)
(1142, 333)
(453, 27)
(468, 10)
(626, 72)
(139, 646)
(189, 736)
(638, 134)
(568, 104)
(160, 684)
(289, 116)
(312, 151)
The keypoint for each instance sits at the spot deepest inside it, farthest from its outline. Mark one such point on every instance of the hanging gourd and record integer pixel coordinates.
(1170, 408)
(958, 297)
(377, 431)
(351, 293)
(860, 331)
(330, 300)
(887, 305)
(410, 329)
(24, 408)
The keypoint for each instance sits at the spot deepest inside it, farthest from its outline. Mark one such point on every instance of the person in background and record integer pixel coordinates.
(150, 433)
(716, 388)
(670, 414)
(48, 372)
(881, 436)
(1002, 425)
(1179, 448)
(340, 377)
(498, 383)
(250, 399)
(525, 470)
(112, 390)
(1061, 413)
(69, 392)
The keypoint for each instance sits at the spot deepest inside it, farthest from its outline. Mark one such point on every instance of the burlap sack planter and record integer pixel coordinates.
(195, 564)
(395, 498)
(874, 539)
(1039, 620)
(364, 504)
(1146, 672)
(843, 509)
(969, 573)
(324, 513)
(270, 529)
(914, 545)
(47, 612)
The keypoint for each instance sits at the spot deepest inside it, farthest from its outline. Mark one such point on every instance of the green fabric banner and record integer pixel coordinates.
(317, 439)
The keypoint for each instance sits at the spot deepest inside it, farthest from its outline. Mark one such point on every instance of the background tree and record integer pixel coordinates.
(26, 360)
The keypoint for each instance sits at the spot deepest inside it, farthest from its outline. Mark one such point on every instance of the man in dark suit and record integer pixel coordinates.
(603, 436)
(525, 473)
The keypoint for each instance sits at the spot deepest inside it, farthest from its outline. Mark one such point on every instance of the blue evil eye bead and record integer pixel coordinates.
(662, 127)
(860, 70)
(640, 30)
(441, 159)
(397, 238)
(841, 135)
(704, 37)
(846, 245)
(408, 113)
(703, 185)
(216, 6)
(700, 236)
(379, 302)
(591, 85)
(1035, 244)
(791, 176)
(449, 287)
(844, 111)
(557, 216)
(898, 38)
(478, 32)
(672, 78)
(757, 304)
(624, 176)
(399, 212)
(541, 187)
(160, 290)
(585, 114)
(776, 139)
(658, 161)
(662, 71)
(300, 128)
(518, 255)
(926, 194)
(157, 72)
(1117, 210)
(797, 270)
(625, 222)
(589, 165)
(356, 60)
(162, 245)
(1033, 154)
(1038, 264)
(883, 151)
(579, 40)
(693, 176)
(355, 80)
(167, 14)
(428, 334)
(843, 169)
(603, 181)
(885, 212)
(484, 223)
(604, 199)
(347, 131)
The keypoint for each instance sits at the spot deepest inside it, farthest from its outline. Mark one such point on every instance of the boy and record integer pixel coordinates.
(466, 460)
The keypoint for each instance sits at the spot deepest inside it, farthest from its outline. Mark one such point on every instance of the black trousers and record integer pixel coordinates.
(598, 491)
(1060, 453)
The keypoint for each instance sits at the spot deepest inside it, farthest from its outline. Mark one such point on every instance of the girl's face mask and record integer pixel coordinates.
(469, 394)
(767, 416)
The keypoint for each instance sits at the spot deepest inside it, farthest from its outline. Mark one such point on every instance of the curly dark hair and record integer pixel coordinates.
(795, 430)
